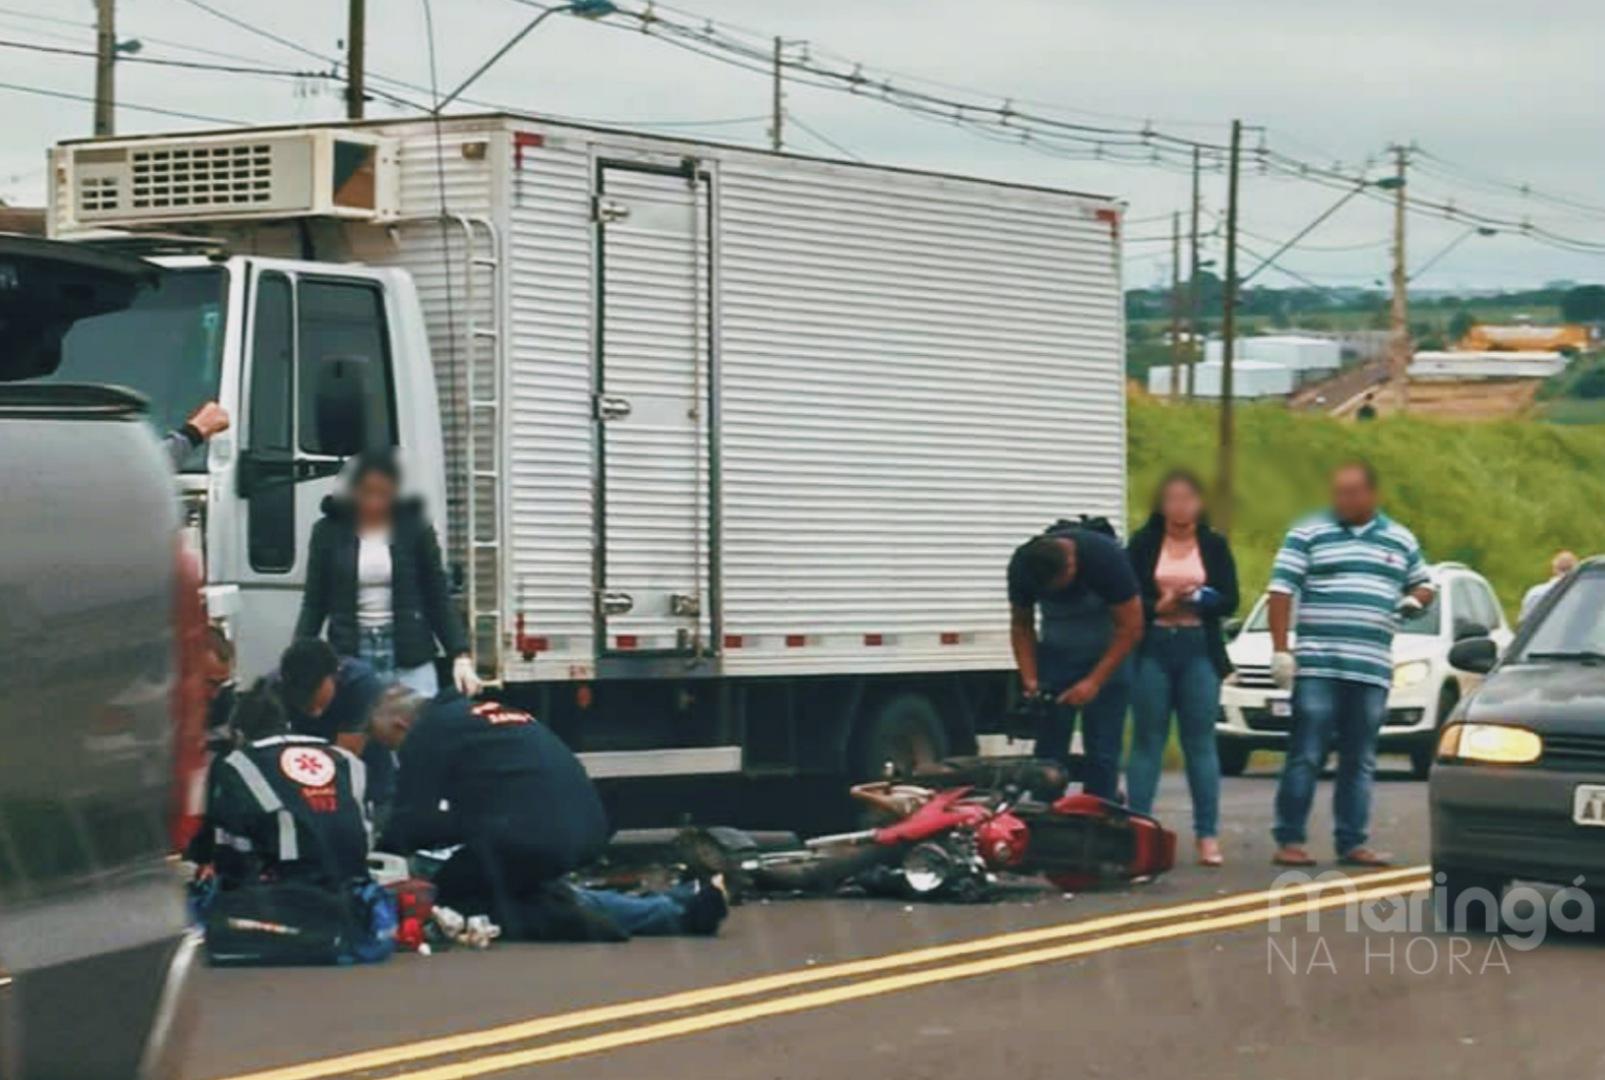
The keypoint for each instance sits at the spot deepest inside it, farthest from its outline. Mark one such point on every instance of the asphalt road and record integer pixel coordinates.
(1182, 977)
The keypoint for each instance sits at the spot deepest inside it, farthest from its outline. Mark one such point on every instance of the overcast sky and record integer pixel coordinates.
(1507, 91)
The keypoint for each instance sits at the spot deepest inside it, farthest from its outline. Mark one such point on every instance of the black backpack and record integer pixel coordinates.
(1088, 522)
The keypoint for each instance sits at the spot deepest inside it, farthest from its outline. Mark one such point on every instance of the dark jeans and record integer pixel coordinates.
(1103, 722)
(641, 914)
(1174, 674)
(517, 890)
(1325, 710)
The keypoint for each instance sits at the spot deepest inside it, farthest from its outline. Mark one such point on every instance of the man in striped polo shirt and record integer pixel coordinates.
(1354, 572)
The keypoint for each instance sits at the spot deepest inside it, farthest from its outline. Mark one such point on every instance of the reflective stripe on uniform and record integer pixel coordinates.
(269, 801)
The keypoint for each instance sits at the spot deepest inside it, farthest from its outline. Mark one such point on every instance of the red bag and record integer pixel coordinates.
(415, 903)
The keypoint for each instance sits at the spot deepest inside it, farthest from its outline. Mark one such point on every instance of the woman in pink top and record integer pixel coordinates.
(1189, 583)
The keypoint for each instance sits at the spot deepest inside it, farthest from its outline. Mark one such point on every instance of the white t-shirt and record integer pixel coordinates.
(373, 580)
(1534, 595)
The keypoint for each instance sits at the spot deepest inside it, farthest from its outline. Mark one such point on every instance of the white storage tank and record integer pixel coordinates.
(1300, 352)
(1250, 379)
(1428, 364)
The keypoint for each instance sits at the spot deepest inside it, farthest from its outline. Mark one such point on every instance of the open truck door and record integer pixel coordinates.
(317, 388)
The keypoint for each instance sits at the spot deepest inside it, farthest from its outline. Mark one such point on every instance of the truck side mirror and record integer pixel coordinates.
(1466, 629)
(1477, 655)
(339, 405)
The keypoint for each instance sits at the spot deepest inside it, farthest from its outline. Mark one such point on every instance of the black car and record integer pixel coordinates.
(1518, 788)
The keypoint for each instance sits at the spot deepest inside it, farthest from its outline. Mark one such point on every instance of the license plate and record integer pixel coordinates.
(1282, 709)
(1588, 804)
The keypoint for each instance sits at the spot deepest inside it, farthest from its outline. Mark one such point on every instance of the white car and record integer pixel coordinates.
(1255, 715)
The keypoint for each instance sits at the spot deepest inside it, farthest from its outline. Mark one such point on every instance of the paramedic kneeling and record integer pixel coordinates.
(504, 786)
(1091, 620)
(283, 807)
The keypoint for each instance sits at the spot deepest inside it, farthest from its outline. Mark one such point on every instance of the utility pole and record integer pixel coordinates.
(1192, 290)
(1226, 461)
(105, 71)
(356, 59)
(775, 108)
(1399, 326)
(1175, 306)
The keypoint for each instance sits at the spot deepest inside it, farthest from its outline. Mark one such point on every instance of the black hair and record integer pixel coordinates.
(1177, 476)
(1036, 563)
(383, 462)
(259, 713)
(302, 669)
(1369, 470)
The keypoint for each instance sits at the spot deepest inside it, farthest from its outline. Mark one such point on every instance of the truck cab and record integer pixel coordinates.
(315, 362)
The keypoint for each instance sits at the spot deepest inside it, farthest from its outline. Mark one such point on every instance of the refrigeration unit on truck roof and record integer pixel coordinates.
(232, 177)
(707, 411)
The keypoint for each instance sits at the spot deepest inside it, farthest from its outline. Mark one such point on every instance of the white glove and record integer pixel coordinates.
(1409, 608)
(464, 676)
(1283, 668)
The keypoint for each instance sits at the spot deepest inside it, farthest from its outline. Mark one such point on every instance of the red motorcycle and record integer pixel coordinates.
(952, 842)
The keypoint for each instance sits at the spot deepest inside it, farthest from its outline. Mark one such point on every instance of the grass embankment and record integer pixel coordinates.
(1500, 497)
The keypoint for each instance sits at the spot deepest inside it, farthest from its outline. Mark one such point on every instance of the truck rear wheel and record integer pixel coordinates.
(903, 731)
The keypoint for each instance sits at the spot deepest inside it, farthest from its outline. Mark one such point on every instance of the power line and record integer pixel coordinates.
(192, 65)
(821, 137)
(268, 35)
(68, 96)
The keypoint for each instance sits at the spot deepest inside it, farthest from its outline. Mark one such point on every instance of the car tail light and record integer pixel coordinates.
(188, 704)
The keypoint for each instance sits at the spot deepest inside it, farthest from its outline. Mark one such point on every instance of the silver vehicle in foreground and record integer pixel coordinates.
(97, 702)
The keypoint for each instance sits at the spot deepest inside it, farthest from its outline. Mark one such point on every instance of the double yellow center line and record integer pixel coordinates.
(480, 1053)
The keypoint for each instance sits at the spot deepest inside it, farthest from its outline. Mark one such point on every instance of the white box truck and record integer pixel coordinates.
(729, 448)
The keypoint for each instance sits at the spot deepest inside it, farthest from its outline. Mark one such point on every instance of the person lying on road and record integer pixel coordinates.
(496, 781)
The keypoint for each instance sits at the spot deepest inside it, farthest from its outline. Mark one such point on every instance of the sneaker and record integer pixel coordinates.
(707, 908)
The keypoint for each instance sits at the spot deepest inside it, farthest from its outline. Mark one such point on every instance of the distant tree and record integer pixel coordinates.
(1590, 384)
(1585, 303)
(1460, 324)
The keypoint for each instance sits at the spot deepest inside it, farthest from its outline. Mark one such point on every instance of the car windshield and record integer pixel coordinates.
(166, 346)
(1575, 626)
(1425, 625)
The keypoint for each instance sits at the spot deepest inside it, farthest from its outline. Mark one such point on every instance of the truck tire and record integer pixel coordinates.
(903, 729)
(1421, 756)
(1233, 756)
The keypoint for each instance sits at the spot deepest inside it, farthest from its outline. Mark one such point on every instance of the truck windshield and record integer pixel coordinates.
(1426, 624)
(167, 346)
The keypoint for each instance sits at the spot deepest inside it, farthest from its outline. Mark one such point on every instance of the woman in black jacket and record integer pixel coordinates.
(1189, 583)
(374, 575)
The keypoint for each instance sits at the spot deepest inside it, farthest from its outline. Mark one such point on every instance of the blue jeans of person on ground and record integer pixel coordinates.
(641, 914)
(1174, 675)
(1325, 711)
(1103, 722)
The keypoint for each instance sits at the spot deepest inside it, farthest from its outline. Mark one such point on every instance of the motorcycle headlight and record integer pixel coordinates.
(1492, 744)
(927, 868)
(1411, 673)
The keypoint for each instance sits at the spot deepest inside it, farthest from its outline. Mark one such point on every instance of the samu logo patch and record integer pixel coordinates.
(307, 765)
